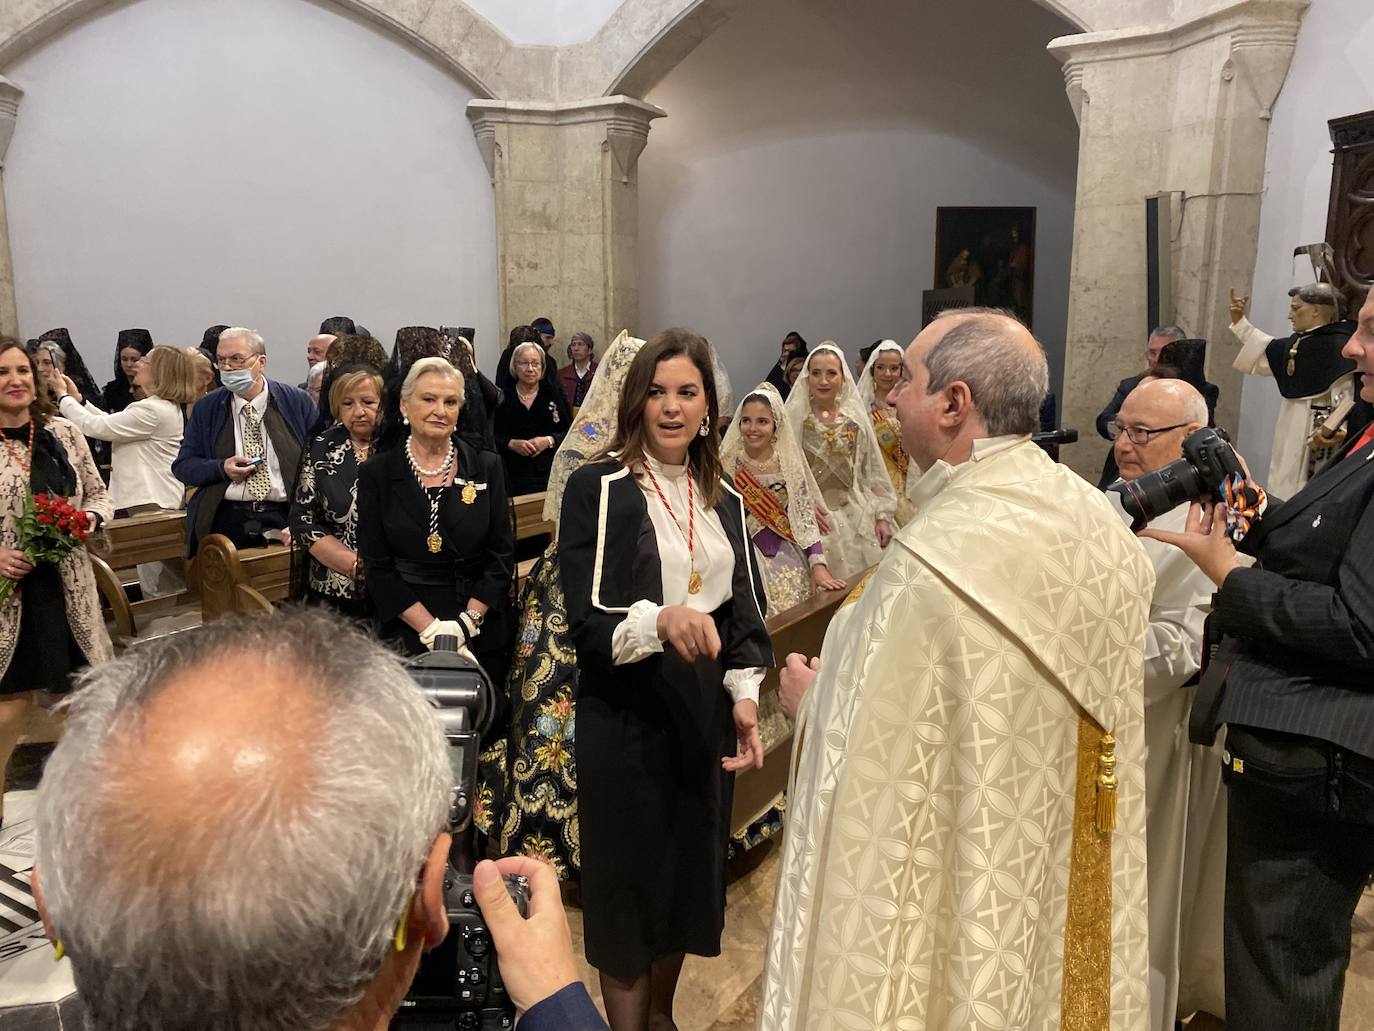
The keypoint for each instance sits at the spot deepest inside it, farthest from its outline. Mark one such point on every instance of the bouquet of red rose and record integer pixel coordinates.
(49, 530)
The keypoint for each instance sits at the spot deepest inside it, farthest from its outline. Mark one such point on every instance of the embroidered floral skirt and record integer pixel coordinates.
(540, 814)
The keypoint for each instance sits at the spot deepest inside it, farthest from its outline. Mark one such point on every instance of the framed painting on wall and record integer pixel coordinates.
(991, 250)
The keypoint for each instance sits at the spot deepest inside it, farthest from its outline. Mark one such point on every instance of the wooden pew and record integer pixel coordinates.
(529, 516)
(153, 537)
(240, 580)
(798, 629)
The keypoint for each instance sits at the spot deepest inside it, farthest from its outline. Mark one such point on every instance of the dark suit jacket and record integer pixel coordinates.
(1299, 627)
(209, 440)
(1210, 392)
(608, 556)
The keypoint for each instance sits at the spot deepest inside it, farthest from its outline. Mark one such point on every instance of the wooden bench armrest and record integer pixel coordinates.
(112, 593)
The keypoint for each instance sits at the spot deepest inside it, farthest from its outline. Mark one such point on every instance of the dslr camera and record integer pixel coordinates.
(1206, 463)
(458, 985)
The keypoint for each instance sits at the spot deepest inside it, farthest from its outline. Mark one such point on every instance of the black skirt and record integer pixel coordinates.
(654, 809)
(45, 653)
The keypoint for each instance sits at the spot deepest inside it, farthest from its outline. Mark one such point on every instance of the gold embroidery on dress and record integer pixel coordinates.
(1086, 994)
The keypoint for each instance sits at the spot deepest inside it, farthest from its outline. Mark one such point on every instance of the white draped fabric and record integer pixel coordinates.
(942, 866)
(1173, 653)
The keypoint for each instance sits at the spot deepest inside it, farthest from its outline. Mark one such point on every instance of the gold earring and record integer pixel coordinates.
(398, 940)
(58, 951)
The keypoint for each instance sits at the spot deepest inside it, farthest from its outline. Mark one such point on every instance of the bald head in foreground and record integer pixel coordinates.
(948, 860)
(221, 852)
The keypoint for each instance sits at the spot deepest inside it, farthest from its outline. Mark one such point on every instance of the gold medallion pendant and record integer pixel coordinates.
(694, 583)
(469, 494)
(435, 543)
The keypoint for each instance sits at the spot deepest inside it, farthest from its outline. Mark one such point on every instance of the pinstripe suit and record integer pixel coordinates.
(1299, 701)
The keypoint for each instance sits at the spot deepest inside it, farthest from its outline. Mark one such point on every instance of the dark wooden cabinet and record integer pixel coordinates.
(1350, 217)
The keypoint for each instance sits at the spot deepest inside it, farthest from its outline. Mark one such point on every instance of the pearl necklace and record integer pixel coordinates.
(421, 470)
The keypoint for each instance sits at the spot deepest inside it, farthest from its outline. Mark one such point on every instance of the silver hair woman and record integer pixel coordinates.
(530, 422)
(201, 853)
(525, 353)
(433, 534)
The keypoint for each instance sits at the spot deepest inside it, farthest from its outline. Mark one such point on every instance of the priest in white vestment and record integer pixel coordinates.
(1184, 801)
(950, 860)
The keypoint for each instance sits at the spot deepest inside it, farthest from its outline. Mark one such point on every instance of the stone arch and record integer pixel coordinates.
(645, 39)
(449, 32)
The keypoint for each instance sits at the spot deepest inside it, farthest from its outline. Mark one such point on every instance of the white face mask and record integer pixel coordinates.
(238, 381)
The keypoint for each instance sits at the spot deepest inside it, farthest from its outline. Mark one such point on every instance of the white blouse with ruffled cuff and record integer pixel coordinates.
(636, 637)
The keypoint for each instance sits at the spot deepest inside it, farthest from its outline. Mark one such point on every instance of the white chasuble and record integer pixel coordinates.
(942, 866)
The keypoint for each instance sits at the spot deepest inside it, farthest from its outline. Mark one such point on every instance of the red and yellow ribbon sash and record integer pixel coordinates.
(763, 504)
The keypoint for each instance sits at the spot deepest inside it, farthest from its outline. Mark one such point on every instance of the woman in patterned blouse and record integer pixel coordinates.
(324, 513)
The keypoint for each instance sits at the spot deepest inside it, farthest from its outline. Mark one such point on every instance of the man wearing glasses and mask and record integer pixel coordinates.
(1184, 804)
(241, 447)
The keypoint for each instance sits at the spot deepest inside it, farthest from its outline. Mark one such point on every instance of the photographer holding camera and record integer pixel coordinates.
(1291, 679)
(1182, 782)
(218, 852)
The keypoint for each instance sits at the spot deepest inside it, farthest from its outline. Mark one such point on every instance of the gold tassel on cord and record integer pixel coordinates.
(1106, 786)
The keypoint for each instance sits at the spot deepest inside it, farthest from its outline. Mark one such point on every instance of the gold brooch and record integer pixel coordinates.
(469, 494)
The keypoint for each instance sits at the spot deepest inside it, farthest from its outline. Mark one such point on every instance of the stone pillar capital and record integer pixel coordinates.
(1244, 22)
(567, 207)
(10, 95)
(625, 120)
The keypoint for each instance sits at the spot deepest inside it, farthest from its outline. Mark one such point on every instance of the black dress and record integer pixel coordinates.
(117, 395)
(476, 562)
(45, 653)
(325, 505)
(547, 416)
(653, 801)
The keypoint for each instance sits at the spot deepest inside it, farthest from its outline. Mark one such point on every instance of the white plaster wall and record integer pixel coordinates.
(180, 163)
(1331, 76)
(794, 183)
(546, 22)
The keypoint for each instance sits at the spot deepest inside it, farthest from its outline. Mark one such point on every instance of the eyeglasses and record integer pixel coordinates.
(1138, 435)
(528, 363)
(229, 362)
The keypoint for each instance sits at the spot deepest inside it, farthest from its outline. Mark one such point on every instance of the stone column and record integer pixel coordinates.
(1181, 109)
(567, 209)
(10, 95)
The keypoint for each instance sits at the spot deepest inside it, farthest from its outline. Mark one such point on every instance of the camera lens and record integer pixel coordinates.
(1154, 494)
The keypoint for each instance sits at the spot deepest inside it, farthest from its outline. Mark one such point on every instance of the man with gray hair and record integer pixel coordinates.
(965, 834)
(242, 446)
(222, 853)
(1160, 337)
(1186, 807)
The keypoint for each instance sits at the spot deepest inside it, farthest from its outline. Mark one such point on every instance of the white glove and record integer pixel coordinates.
(444, 628)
